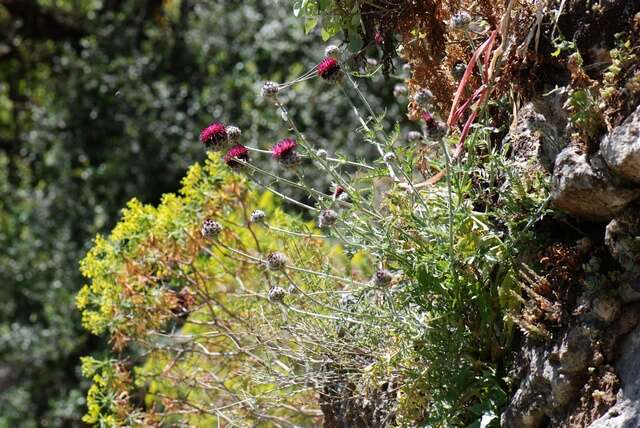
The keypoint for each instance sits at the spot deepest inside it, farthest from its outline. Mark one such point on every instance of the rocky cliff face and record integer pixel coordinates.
(589, 374)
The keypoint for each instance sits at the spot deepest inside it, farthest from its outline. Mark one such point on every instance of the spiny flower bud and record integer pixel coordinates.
(339, 194)
(329, 69)
(399, 90)
(285, 153)
(257, 216)
(233, 134)
(276, 261)
(322, 153)
(423, 98)
(214, 136)
(435, 129)
(389, 157)
(460, 21)
(332, 51)
(276, 294)
(414, 136)
(270, 89)
(210, 228)
(382, 278)
(406, 68)
(327, 219)
(236, 153)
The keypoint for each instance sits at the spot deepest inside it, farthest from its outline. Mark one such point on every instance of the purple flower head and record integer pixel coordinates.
(214, 136)
(329, 69)
(235, 153)
(285, 152)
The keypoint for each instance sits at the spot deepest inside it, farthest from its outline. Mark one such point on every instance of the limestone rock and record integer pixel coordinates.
(621, 148)
(583, 186)
(606, 308)
(622, 237)
(537, 135)
(626, 412)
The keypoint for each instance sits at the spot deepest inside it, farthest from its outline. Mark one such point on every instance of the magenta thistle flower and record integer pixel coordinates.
(235, 153)
(329, 69)
(214, 136)
(285, 152)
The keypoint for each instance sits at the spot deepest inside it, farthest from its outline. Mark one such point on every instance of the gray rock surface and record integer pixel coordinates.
(537, 135)
(621, 148)
(622, 237)
(626, 412)
(584, 187)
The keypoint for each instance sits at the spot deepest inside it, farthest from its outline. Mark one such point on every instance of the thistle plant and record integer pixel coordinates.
(390, 278)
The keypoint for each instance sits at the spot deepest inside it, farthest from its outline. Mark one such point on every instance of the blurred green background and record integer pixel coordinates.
(101, 101)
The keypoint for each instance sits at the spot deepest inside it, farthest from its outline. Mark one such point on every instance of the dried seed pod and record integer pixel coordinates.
(210, 228)
(276, 294)
(276, 261)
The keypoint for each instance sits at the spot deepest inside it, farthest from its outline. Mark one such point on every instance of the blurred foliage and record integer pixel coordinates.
(103, 100)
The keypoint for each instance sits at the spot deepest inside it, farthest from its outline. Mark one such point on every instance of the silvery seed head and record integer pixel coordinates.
(327, 219)
(399, 90)
(460, 21)
(414, 136)
(276, 294)
(322, 153)
(333, 51)
(276, 261)
(458, 70)
(347, 300)
(382, 278)
(257, 216)
(210, 228)
(436, 131)
(423, 98)
(270, 89)
(389, 157)
(233, 134)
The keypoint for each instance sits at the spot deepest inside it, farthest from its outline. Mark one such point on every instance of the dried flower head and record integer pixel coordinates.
(236, 153)
(414, 136)
(285, 152)
(423, 98)
(258, 216)
(327, 219)
(399, 90)
(276, 261)
(329, 69)
(214, 136)
(382, 278)
(332, 51)
(276, 294)
(233, 134)
(270, 89)
(460, 21)
(210, 228)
